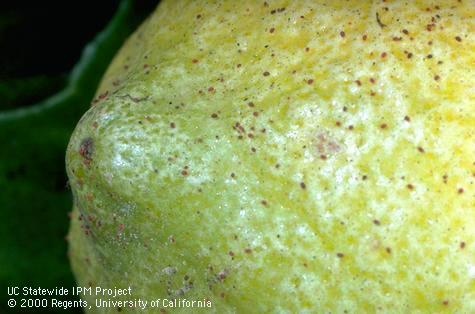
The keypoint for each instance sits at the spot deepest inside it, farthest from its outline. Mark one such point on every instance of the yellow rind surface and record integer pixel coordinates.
(351, 189)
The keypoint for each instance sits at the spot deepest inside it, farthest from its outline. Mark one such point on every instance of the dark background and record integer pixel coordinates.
(47, 79)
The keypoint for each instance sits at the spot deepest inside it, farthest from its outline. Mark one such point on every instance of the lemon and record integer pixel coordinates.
(283, 156)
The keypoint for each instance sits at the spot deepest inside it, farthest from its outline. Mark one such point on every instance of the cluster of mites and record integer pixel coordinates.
(86, 150)
(429, 27)
(89, 221)
(86, 222)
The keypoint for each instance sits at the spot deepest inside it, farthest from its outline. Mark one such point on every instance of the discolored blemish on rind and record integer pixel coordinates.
(325, 145)
(86, 149)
